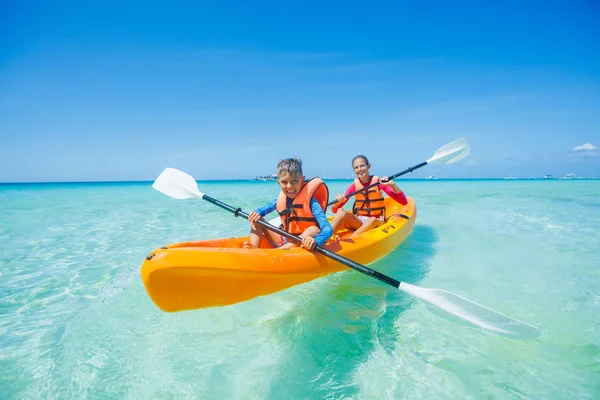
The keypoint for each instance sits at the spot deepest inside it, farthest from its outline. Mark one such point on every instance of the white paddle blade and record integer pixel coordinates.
(451, 152)
(177, 184)
(465, 152)
(472, 312)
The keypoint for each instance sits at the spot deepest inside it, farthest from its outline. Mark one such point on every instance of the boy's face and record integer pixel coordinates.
(290, 184)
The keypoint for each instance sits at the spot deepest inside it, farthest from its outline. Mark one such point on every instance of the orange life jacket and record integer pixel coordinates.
(369, 202)
(296, 214)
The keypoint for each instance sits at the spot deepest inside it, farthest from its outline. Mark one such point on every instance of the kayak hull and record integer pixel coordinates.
(219, 272)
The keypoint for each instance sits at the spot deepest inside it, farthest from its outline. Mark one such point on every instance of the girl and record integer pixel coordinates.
(368, 210)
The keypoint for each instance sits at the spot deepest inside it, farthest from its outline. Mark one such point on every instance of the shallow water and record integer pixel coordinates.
(76, 322)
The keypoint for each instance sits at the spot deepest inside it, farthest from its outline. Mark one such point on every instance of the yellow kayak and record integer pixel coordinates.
(219, 272)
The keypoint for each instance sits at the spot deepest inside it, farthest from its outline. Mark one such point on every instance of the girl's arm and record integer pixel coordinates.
(339, 205)
(395, 193)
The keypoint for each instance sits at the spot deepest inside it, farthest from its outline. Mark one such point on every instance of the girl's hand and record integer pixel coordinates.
(309, 243)
(340, 197)
(390, 183)
(386, 182)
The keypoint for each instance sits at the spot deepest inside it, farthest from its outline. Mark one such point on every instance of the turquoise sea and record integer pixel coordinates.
(76, 322)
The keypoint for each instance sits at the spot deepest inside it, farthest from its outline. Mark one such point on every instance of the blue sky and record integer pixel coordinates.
(220, 89)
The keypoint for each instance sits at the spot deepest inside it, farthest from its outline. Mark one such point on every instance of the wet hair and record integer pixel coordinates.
(292, 166)
(366, 160)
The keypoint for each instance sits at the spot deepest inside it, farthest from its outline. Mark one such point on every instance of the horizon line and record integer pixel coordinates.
(324, 178)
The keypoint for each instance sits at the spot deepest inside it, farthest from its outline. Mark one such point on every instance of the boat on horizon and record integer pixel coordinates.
(272, 177)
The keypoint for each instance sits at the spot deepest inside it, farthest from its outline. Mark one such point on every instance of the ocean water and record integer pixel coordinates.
(76, 322)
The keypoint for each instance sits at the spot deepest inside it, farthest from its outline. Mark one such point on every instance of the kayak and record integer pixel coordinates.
(219, 272)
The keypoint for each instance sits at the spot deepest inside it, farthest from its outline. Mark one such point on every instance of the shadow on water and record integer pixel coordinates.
(343, 319)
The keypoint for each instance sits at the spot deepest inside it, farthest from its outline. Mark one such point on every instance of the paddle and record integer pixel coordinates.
(447, 154)
(180, 185)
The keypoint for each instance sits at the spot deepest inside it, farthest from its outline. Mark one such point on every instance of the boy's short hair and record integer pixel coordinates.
(292, 166)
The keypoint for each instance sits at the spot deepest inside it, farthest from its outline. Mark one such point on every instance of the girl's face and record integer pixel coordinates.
(361, 169)
(290, 184)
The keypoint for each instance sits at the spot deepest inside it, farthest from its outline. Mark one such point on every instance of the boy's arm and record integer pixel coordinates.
(324, 225)
(269, 207)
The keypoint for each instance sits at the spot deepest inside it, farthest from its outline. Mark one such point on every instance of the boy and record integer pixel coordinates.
(301, 206)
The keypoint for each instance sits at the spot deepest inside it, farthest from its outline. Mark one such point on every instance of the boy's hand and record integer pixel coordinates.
(309, 243)
(253, 217)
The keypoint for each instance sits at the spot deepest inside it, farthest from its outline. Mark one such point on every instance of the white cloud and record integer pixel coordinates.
(585, 147)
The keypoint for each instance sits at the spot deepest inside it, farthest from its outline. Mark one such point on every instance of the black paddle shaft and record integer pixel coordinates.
(342, 260)
(406, 171)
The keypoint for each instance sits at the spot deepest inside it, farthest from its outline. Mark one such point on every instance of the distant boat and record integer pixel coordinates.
(548, 176)
(511, 177)
(272, 177)
(431, 177)
(570, 176)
